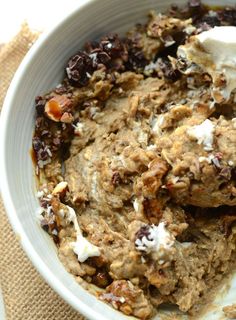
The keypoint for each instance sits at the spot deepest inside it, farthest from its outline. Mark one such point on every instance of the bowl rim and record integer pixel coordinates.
(8, 201)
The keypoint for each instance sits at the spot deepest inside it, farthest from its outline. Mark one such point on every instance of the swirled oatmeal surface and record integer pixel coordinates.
(135, 156)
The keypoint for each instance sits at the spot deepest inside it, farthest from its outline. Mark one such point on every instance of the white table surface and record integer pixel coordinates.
(40, 14)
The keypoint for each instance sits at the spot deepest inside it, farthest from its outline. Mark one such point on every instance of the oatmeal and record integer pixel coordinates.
(136, 161)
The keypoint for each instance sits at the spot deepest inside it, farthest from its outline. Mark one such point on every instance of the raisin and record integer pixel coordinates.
(167, 69)
(90, 46)
(207, 22)
(228, 16)
(39, 105)
(37, 144)
(136, 60)
(79, 69)
(112, 45)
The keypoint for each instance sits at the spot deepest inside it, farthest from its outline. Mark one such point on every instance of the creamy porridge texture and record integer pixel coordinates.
(135, 156)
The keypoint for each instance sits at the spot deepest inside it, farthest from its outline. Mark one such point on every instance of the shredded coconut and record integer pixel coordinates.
(151, 66)
(40, 194)
(158, 239)
(186, 244)
(78, 127)
(39, 212)
(203, 133)
(156, 125)
(142, 259)
(207, 159)
(84, 249)
(234, 123)
(190, 29)
(61, 213)
(151, 147)
(81, 247)
(54, 231)
(175, 180)
(136, 205)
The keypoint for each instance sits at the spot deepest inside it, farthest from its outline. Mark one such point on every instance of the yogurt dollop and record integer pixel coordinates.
(213, 52)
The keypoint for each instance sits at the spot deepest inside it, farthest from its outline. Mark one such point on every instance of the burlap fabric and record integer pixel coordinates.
(25, 293)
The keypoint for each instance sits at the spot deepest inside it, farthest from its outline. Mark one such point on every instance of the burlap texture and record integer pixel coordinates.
(25, 293)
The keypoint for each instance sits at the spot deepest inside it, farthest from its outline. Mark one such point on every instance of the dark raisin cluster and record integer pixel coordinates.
(202, 18)
(110, 53)
(167, 69)
(40, 104)
(79, 68)
(40, 149)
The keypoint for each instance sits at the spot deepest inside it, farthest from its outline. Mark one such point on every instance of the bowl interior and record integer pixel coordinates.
(42, 70)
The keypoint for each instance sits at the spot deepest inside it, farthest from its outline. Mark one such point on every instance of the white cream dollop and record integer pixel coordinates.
(214, 52)
(81, 247)
(203, 133)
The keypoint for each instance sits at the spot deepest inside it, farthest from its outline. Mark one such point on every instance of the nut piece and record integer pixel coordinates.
(56, 107)
(60, 188)
(67, 117)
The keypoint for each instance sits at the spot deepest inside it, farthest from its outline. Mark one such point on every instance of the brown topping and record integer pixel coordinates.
(230, 311)
(123, 295)
(152, 178)
(153, 210)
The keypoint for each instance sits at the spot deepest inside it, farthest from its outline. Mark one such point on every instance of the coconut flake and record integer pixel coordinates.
(84, 249)
(78, 128)
(234, 123)
(156, 125)
(40, 194)
(136, 205)
(203, 133)
(158, 239)
(81, 247)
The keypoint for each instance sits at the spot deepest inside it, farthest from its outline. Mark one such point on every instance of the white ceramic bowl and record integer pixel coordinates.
(41, 70)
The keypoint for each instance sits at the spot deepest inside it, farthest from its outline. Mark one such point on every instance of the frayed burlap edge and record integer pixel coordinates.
(26, 295)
